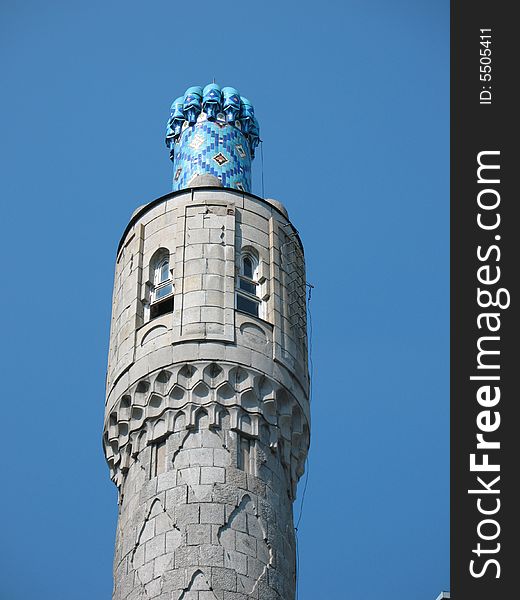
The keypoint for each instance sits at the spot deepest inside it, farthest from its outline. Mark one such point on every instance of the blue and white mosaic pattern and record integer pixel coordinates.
(210, 148)
(212, 131)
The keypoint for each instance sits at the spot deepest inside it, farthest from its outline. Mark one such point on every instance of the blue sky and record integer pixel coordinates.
(352, 99)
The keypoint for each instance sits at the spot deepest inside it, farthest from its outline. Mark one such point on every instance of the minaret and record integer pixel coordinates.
(207, 411)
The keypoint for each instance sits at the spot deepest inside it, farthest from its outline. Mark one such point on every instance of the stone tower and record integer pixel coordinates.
(207, 411)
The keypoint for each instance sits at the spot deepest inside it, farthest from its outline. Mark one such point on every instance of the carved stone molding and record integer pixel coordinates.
(152, 408)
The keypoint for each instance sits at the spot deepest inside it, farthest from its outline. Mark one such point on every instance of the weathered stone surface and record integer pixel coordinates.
(207, 413)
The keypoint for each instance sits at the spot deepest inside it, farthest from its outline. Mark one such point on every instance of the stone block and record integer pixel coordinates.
(236, 478)
(126, 584)
(197, 236)
(253, 219)
(148, 490)
(194, 251)
(223, 579)
(206, 595)
(163, 563)
(215, 266)
(212, 314)
(191, 315)
(227, 537)
(177, 495)
(245, 584)
(163, 523)
(255, 567)
(153, 588)
(217, 237)
(215, 250)
(186, 556)
(212, 351)
(210, 475)
(214, 298)
(182, 460)
(189, 476)
(193, 442)
(187, 514)
(200, 493)
(211, 281)
(196, 266)
(276, 580)
(195, 220)
(166, 481)
(236, 596)
(221, 457)
(174, 579)
(256, 485)
(246, 544)
(173, 540)
(201, 457)
(236, 561)
(138, 556)
(155, 547)
(194, 299)
(193, 283)
(239, 522)
(212, 513)
(198, 534)
(211, 555)
(194, 331)
(210, 439)
(145, 573)
(148, 531)
(263, 554)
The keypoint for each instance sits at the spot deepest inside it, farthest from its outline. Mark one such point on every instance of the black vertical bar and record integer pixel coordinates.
(483, 120)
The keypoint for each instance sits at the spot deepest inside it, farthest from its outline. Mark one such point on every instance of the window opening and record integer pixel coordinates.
(247, 286)
(161, 297)
(245, 456)
(158, 459)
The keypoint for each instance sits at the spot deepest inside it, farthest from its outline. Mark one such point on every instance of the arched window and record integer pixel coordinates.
(247, 285)
(161, 296)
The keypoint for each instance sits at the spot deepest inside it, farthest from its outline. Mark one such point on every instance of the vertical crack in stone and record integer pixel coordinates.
(180, 447)
(246, 507)
(152, 513)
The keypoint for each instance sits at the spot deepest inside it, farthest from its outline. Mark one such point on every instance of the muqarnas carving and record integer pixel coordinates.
(257, 406)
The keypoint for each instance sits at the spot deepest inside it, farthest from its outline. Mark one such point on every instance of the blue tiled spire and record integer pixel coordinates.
(212, 131)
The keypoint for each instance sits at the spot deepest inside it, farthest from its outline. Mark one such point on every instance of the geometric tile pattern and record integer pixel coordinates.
(213, 148)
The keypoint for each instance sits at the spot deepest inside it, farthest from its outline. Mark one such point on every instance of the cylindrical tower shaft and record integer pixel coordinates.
(207, 413)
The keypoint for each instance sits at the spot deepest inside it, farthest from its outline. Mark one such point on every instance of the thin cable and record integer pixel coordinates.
(303, 494)
(262, 160)
(309, 313)
(297, 563)
(310, 399)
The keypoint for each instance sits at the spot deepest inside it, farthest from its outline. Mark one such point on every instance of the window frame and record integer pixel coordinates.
(160, 287)
(248, 281)
(158, 458)
(158, 282)
(246, 460)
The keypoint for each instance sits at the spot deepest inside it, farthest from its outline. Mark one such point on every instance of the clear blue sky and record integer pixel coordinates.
(361, 161)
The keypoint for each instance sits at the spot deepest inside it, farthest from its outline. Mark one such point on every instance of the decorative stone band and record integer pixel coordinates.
(148, 411)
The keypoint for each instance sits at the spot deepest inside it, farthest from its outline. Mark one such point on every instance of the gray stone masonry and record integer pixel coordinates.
(207, 411)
